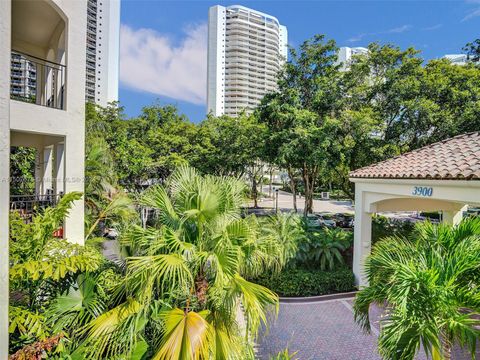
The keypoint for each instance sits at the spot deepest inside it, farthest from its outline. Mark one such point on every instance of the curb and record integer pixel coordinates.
(312, 299)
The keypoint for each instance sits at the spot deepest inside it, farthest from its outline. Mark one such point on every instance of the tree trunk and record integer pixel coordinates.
(254, 191)
(270, 187)
(293, 188)
(308, 179)
(446, 346)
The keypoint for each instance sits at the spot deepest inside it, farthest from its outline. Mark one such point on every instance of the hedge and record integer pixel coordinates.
(302, 282)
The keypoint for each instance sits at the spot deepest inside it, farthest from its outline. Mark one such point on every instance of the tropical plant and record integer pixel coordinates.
(429, 286)
(323, 248)
(287, 231)
(285, 355)
(185, 288)
(41, 268)
(106, 203)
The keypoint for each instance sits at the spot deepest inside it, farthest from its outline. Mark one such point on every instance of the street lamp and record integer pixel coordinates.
(276, 201)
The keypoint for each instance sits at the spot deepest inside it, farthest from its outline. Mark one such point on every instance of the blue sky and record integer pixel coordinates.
(163, 43)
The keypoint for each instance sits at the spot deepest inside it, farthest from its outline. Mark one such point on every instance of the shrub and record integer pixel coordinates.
(323, 248)
(302, 282)
(383, 227)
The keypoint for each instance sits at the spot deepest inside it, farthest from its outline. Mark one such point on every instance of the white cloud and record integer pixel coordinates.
(152, 62)
(396, 30)
(472, 15)
(433, 27)
(399, 30)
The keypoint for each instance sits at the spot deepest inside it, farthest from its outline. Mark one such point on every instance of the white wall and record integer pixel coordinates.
(108, 51)
(216, 60)
(68, 123)
(5, 15)
(380, 195)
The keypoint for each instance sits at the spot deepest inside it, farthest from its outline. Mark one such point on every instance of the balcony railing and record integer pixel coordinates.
(45, 77)
(27, 204)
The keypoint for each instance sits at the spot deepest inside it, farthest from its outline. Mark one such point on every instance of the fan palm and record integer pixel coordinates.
(429, 284)
(186, 276)
(287, 231)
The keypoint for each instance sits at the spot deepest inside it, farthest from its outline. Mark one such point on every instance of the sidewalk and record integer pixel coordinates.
(285, 203)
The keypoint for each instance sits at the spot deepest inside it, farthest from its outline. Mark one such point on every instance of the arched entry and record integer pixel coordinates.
(444, 177)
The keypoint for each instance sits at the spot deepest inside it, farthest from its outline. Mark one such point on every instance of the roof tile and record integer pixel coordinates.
(455, 158)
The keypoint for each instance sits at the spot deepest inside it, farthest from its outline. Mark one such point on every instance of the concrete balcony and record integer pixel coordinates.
(47, 77)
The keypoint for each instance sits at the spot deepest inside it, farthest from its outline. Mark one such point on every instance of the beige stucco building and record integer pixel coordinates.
(444, 177)
(45, 34)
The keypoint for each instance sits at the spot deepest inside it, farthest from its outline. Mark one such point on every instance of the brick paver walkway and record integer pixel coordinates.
(324, 331)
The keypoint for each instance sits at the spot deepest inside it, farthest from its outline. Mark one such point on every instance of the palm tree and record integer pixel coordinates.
(429, 284)
(286, 229)
(185, 286)
(323, 248)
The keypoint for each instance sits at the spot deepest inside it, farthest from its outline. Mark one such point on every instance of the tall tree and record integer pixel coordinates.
(473, 50)
(308, 92)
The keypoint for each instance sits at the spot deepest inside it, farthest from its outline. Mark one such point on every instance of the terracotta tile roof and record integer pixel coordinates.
(457, 158)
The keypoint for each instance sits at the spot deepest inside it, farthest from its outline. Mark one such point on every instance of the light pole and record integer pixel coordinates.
(276, 201)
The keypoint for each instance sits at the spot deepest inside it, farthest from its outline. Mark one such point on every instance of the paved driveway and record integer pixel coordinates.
(324, 331)
(285, 202)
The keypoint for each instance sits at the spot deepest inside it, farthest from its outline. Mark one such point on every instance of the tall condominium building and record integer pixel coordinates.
(40, 38)
(103, 50)
(457, 59)
(345, 55)
(246, 49)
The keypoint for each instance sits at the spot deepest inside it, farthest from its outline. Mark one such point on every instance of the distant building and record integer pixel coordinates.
(103, 51)
(246, 49)
(457, 59)
(346, 54)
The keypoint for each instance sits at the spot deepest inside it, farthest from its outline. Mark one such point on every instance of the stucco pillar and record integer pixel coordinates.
(47, 172)
(5, 25)
(362, 238)
(59, 169)
(74, 181)
(38, 171)
(453, 217)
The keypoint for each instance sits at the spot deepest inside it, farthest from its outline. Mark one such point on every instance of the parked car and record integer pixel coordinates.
(344, 220)
(318, 221)
(327, 220)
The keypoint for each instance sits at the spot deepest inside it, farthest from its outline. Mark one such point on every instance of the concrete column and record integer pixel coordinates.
(5, 31)
(74, 181)
(362, 238)
(38, 171)
(47, 166)
(453, 217)
(59, 169)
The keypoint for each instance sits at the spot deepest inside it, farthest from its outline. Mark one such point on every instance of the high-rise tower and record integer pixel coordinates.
(103, 50)
(246, 49)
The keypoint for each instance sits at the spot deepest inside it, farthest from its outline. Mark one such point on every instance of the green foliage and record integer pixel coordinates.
(286, 230)
(22, 170)
(42, 268)
(303, 282)
(185, 277)
(323, 122)
(383, 227)
(473, 50)
(430, 283)
(285, 355)
(323, 248)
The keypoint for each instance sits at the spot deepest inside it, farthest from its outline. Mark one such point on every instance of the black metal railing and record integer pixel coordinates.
(27, 204)
(37, 81)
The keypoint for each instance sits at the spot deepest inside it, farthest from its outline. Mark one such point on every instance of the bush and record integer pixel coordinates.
(383, 227)
(302, 282)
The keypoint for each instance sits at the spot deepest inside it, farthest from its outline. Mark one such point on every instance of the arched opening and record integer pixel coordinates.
(38, 53)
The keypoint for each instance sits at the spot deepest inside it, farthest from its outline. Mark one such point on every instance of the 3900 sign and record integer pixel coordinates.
(422, 191)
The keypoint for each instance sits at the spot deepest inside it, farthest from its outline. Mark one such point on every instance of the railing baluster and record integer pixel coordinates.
(48, 78)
